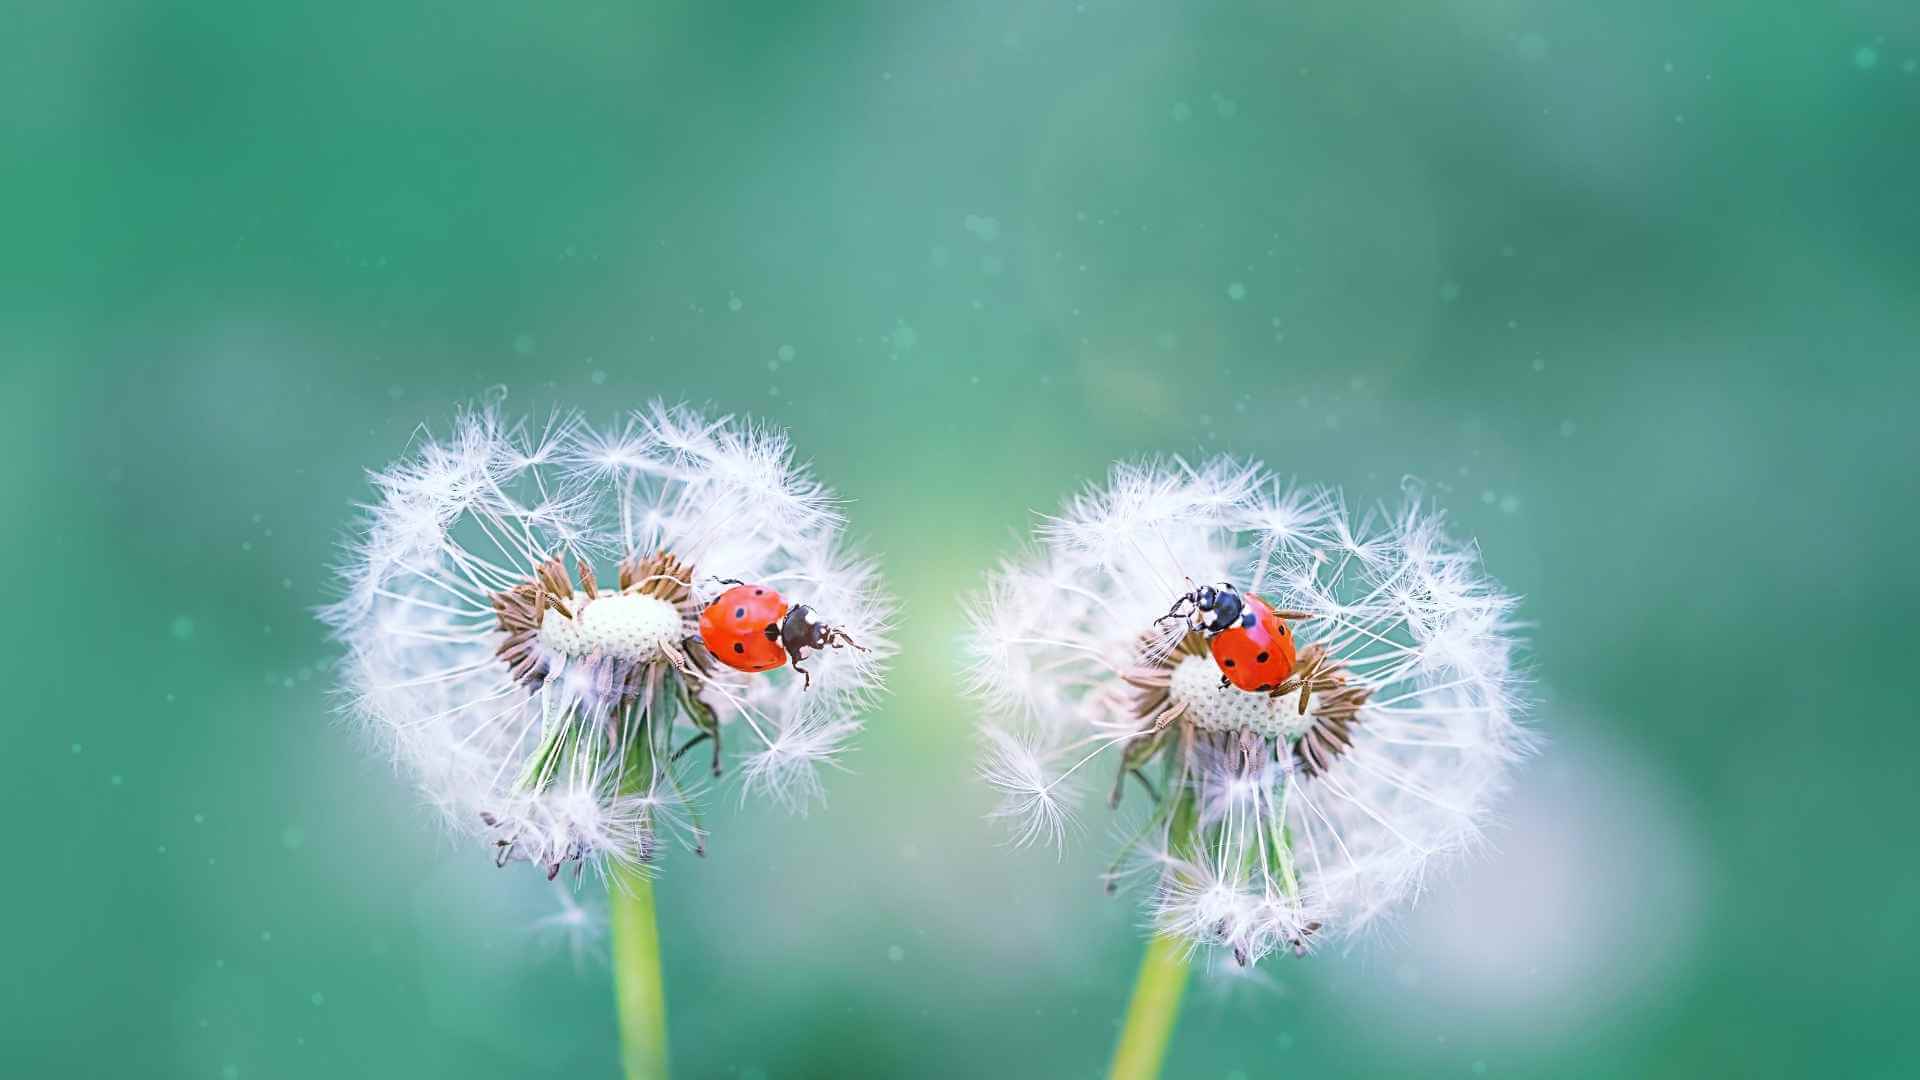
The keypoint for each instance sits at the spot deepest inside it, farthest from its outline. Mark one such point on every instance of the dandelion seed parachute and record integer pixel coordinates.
(519, 615)
(1275, 821)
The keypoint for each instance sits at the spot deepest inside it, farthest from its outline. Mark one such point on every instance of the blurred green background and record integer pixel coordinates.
(1634, 289)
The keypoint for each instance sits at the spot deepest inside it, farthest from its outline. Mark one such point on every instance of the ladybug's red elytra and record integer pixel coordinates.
(1248, 639)
(751, 628)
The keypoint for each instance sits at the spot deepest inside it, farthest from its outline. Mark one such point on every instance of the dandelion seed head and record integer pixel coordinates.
(630, 626)
(520, 602)
(1277, 821)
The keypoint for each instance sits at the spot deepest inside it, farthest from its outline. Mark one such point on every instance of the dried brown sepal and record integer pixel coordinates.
(1331, 734)
(1148, 678)
(660, 575)
(1312, 674)
(553, 574)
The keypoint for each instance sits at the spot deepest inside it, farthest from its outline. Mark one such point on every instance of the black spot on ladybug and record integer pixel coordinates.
(737, 647)
(759, 592)
(1226, 663)
(1283, 628)
(1261, 659)
(739, 613)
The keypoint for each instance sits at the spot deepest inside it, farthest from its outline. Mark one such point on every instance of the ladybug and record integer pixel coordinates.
(1248, 640)
(751, 628)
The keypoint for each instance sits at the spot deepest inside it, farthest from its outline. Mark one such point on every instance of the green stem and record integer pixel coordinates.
(1151, 1014)
(642, 1000)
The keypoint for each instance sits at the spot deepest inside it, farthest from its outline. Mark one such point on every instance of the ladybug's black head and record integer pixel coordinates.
(1209, 608)
(802, 628)
(1219, 608)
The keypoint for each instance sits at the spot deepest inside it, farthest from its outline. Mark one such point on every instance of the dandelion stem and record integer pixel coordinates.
(1151, 1014)
(641, 997)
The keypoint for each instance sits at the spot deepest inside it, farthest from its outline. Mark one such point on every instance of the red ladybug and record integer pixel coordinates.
(1250, 643)
(749, 627)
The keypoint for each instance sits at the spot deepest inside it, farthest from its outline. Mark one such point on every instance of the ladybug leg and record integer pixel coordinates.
(834, 637)
(696, 741)
(1176, 611)
(838, 638)
(794, 656)
(1316, 676)
(688, 745)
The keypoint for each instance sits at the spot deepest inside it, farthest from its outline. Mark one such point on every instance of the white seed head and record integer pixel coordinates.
(626, 626)
(1195, 683)
(1300, 828)
(522, 597)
